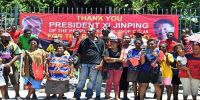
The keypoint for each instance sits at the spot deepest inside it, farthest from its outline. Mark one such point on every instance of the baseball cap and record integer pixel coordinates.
(112, 36)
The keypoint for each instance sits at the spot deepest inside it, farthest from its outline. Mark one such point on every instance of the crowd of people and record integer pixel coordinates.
(165, 63)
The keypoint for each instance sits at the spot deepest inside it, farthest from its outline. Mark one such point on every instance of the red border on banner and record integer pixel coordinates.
(63, 25)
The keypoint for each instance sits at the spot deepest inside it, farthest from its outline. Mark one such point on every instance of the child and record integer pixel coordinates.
(2, 80)
(182, 61)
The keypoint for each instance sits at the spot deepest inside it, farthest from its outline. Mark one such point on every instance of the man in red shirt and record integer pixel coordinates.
(14, 33)
(171, 41)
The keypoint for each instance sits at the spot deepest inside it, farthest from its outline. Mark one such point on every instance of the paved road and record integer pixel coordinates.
(41, 95)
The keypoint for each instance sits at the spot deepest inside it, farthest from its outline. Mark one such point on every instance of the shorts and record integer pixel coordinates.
(190, 86)
(132, 76)
(166, 81)
(14, 78)
(176, 80)
(56, 87)
(195, 86)
(35, 83)
(146, 77)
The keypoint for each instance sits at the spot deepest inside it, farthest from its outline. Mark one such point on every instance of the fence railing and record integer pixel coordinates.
(188, 18)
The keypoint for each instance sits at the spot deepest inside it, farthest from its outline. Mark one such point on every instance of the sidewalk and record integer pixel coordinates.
(41, 94)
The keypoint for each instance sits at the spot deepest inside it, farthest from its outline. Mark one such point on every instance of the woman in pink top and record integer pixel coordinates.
(123, 81)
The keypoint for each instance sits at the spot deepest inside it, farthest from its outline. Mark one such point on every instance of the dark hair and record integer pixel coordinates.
(60, 45)
(34, 39)
(105, 32)
(77, 32)
(178, 44)
(26, 30)
(150, 40)
(164, 44)
(137, 39)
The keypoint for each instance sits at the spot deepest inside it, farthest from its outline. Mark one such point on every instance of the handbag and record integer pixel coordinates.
(37, 72)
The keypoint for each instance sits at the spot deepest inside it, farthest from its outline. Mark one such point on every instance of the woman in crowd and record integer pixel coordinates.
(134, 65)
(166, 70)
(191, 84)
(123, 81)
(186, 43)
(58, 72)
(113, 63)
(150, 69)
(175, 79)
(52, 47)
(33, 66)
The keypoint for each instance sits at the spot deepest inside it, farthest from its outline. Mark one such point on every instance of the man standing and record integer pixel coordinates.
(171, 41)
(90, 52)
(14, 33)
(23, 40)
(10, 52)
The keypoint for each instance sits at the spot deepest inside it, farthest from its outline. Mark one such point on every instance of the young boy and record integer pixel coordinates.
(2, 80)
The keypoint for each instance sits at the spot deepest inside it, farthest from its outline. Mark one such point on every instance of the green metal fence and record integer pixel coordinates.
(188, 18)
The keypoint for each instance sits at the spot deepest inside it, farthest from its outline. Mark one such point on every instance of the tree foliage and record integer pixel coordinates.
(187, 8)
(135, 4)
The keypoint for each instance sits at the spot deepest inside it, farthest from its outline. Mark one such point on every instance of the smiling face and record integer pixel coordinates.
(76, 34)
(34, 44)
(27, 33)
(114, 44)
(163, 47)
(151, 44)
(5, 39)
(196, 49)
(181, 53)
(163, 30)
(60, 49)
(126, 39)
(138, 43)
(91, 32)
(170, 35)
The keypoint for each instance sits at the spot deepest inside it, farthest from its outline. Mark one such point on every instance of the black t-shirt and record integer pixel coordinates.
(112, 54)
(91, 53)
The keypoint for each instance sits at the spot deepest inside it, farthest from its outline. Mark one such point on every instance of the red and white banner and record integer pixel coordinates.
(63, 25)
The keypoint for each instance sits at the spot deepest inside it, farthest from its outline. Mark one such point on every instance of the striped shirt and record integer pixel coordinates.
(59, 67)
